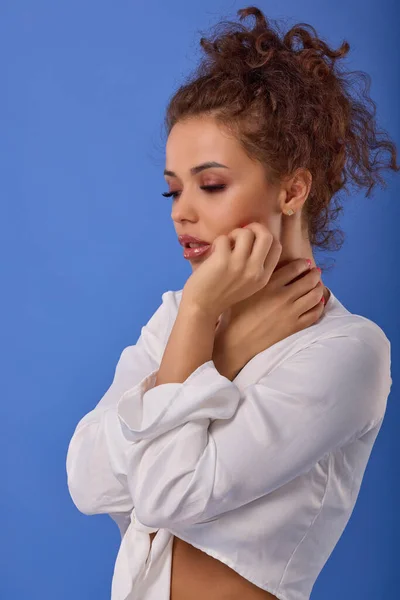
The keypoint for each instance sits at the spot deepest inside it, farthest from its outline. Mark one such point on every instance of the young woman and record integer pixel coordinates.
(231, 445)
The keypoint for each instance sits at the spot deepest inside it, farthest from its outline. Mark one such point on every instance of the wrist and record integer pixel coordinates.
(228, 364)
(197, 311)
(227, 356)
(189, 345)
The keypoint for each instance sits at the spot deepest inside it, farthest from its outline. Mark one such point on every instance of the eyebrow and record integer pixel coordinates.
(195, 170)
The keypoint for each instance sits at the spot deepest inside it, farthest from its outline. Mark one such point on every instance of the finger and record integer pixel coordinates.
(266, 250)
(242, 240)
(286, 274)
(310, 299)
(301, 287)
(221, 247)
(265, 255)
(263, 242)
(311, 316)
(272, 257)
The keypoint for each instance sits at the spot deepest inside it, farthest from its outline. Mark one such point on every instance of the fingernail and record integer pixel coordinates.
(323, 299)
(308, 262)
(318, 269)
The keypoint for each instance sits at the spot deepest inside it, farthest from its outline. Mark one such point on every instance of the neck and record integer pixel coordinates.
(247, 303)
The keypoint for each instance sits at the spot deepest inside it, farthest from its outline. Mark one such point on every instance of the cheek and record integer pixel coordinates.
(228, 215)
(244, 207)
(232, 210)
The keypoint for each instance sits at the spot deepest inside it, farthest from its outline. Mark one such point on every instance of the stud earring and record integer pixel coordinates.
(290, 212)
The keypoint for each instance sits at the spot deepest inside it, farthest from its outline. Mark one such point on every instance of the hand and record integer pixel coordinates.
(290, 302)
(240, 264)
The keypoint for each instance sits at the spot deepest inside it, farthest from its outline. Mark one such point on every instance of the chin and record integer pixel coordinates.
(196, 262)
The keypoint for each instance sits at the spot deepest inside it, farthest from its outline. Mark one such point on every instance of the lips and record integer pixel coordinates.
(189, 244)
(185, 240)
(196, 252)
(192, 253)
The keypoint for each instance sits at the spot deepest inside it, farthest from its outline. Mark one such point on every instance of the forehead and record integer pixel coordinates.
(200, 139)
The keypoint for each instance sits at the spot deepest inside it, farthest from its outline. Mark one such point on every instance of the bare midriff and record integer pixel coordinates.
(196, 575)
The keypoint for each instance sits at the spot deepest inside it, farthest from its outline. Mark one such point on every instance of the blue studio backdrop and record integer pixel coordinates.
(89, 247)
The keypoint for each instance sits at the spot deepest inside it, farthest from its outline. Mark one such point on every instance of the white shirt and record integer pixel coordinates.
(261, 473)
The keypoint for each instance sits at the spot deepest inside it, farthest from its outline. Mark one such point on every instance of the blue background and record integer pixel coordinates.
(88, 248)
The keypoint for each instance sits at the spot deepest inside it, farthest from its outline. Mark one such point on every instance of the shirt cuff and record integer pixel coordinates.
(145, 411)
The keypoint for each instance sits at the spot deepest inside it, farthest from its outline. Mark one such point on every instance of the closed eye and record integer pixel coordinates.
(209, 188)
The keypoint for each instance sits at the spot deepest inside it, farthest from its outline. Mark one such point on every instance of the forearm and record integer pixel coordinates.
(228, 360)
(234, 347)
(190, 344)
(193, 342)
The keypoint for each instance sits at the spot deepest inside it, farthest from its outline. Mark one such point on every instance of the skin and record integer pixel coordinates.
(248, 197)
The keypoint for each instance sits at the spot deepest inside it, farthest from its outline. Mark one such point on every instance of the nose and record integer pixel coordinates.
(183, 208)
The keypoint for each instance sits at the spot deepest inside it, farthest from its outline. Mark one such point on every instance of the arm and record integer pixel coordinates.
(96, 461)
(189, 345)
(193, 342)
(205, 448)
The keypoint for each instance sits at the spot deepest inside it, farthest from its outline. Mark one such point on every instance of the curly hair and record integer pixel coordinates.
(290, 107)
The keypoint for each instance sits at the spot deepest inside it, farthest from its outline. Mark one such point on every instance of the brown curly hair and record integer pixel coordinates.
(290, 106)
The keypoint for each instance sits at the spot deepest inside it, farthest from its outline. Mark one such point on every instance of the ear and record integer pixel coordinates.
(295, 190)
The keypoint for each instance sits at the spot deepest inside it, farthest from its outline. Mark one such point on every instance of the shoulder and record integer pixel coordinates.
(356, 327)
(354, 361)
(341, 322)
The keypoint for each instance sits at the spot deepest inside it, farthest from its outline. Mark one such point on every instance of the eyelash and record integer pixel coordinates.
(209, 188)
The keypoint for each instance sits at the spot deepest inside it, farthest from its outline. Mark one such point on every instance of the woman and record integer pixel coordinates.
(230, 447)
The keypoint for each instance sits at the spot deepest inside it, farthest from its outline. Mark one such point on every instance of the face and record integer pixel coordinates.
(246, 195)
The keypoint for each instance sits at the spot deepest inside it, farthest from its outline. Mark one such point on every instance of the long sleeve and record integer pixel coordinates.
(203, 447)
(96, 460)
